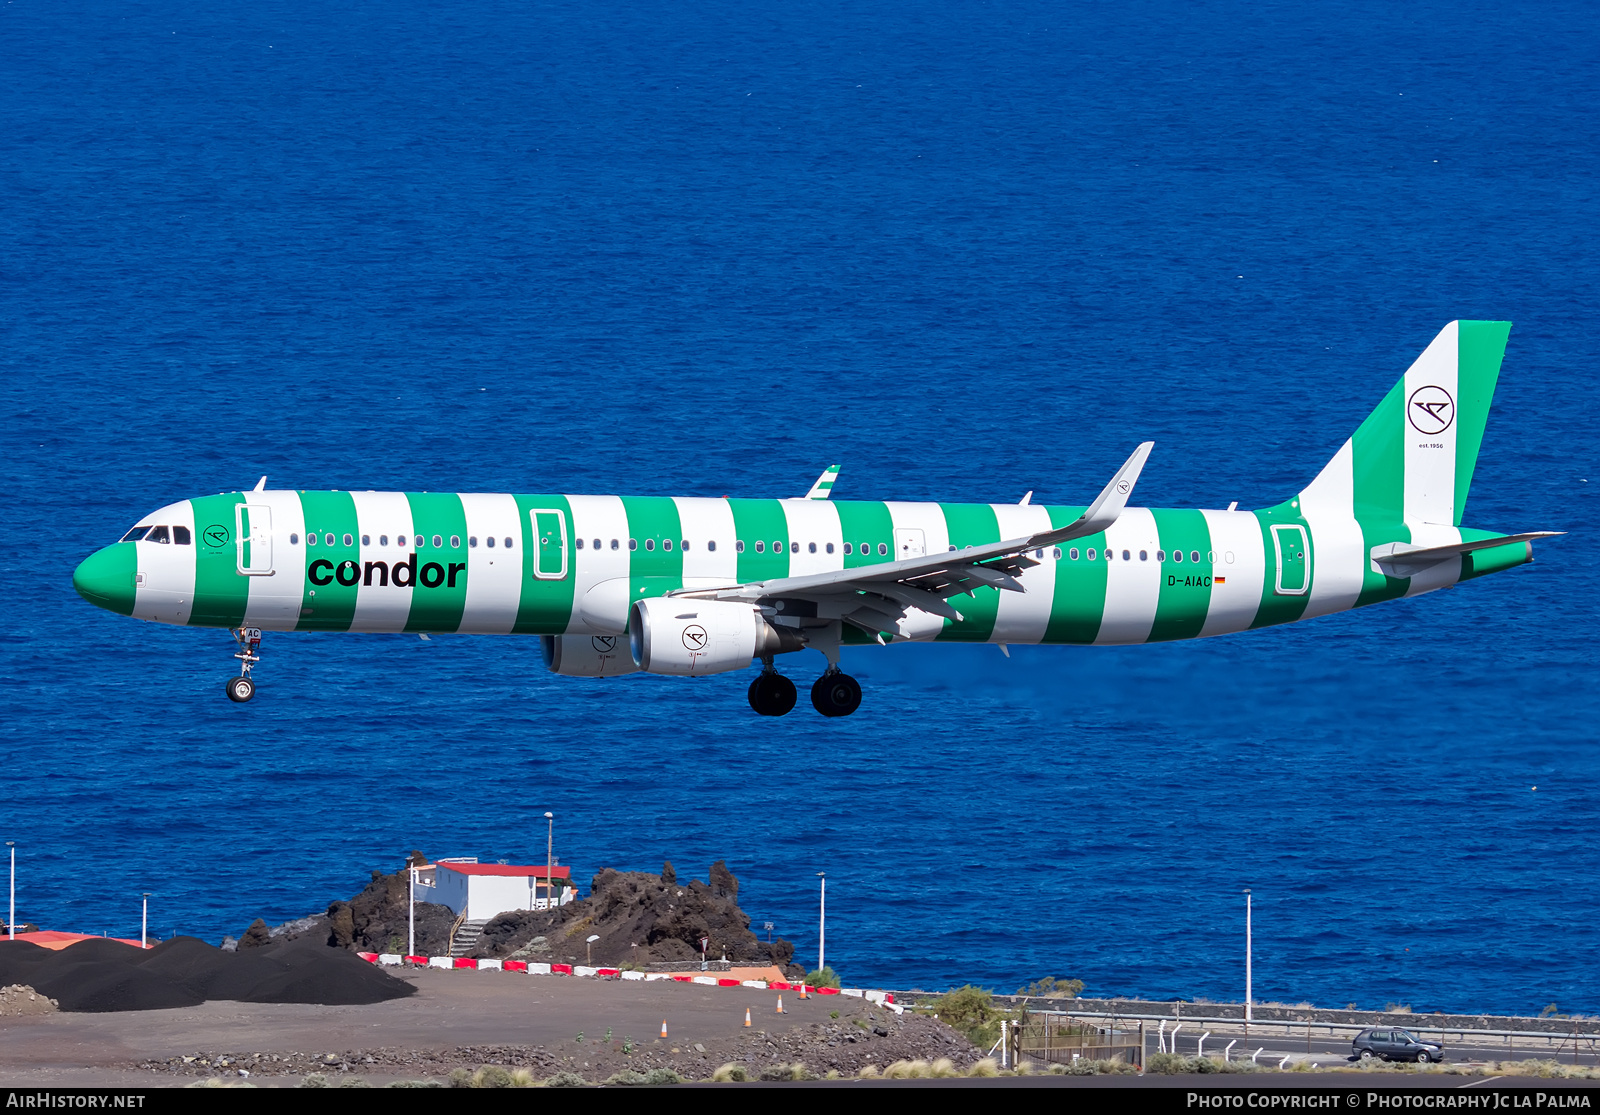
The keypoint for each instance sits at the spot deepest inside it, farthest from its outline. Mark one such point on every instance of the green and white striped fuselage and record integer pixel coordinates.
(551, 565)
(707, 585)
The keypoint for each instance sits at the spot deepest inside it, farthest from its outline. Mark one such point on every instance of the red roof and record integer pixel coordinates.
(506, 869)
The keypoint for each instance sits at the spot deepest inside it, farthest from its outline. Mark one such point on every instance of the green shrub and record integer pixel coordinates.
(315, 1080)
(458, 1078)
(414, 1084)
(730, 1074)
(491, 1076)
(775, 1072)
(628, 1078)
(971, 1010)
(567, 1079)
(822, 977)
(662, 1076)
(1053, 988)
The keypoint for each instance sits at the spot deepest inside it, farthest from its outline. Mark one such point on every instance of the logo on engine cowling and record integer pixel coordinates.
(694, 637)
(604, 644)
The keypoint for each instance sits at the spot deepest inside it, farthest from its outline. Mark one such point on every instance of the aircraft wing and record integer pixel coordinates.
(881, 597)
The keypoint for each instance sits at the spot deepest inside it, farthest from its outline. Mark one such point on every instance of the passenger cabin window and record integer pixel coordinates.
(366, 539)
(508, 543)
(438, 543)
(159, 534)
(684, 543)
(712, 545)
(666, 544)
(597, 543)
(294, 540)
(883, 549)
(1177, 555)
(182, 537)
(847, 549)
(455, 542)
(1091, 554)
(649, 543)
(1194, 556)
(615, 544)
(1074, 552)
(383, 539)
(761, 547)
(1161, 555)
(489, 542)
(1126, 556)
(328, 538)
(738, 546)
(472, 541)
(777, 547)
(135, 534)
(633, 543)
(421, 542)
(347, 540)
(830, 547)
(580, 543)
(311, 540)
(1144, 555)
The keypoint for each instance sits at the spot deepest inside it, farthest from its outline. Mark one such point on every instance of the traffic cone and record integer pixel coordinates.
(663, 1027)
(802, 991)
(747, 1017)
(780, 1004)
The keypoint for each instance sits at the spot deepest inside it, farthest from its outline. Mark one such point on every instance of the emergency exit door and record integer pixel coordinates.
(1294, 560)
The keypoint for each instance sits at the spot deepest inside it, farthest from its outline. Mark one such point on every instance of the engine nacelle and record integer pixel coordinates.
(692, 637)
(587, 656)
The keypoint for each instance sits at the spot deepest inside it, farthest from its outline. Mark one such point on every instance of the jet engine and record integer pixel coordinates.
(587, 656)
(691, 637)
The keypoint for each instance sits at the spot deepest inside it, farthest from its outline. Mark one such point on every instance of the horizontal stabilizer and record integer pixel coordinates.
(1402, 559)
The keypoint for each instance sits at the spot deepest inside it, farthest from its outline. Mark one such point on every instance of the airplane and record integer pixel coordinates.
(689, 586)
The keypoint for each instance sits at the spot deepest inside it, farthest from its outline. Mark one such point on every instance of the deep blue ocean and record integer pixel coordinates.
(966, 250)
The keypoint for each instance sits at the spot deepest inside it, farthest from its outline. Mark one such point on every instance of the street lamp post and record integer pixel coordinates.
(411, 909)
(549, 860)
(822, 923)
(1248, 989)
(144, 922)
(11, 918)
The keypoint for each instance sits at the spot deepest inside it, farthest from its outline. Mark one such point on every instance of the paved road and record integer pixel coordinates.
(1335, 1049)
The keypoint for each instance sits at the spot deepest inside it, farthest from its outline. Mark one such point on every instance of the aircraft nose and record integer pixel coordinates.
(105, 578)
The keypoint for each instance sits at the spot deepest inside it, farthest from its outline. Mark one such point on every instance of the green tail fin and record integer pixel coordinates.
(1412, 460)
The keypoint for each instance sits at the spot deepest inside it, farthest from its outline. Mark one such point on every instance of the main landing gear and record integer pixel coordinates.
(834, 694)
(242, 688)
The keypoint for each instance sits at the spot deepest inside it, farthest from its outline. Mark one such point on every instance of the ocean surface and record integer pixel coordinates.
(966, 250)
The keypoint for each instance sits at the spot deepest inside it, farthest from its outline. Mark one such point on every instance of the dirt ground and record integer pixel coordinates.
(465, 1018)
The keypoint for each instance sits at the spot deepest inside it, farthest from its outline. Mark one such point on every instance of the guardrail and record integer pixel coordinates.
(1309, 1026)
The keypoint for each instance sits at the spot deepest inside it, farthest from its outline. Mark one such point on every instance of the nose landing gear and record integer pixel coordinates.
(836, 694)
(242, 688)
(771, 694)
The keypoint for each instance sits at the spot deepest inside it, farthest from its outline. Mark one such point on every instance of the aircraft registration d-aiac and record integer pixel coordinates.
(691, 586)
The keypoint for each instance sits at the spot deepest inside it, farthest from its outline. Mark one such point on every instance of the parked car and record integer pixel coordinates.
(1395, 1045)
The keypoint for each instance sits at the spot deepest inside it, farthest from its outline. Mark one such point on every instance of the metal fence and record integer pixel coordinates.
(1061, 1039)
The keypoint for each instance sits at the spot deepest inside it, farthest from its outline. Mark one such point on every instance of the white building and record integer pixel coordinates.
(480, 891)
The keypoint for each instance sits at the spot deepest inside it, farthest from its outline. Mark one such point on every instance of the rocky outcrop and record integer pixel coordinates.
(640, 919)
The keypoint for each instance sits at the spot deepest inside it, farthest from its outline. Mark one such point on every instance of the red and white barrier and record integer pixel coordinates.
(534, 968)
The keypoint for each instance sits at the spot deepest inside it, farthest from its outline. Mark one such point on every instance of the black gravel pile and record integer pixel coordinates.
(101, 975)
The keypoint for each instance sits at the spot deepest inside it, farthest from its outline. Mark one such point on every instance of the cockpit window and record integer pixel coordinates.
(159, 534)
(135, 534)
(182, 537)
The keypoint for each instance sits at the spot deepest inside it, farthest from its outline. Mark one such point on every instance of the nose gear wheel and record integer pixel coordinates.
(243, 687)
